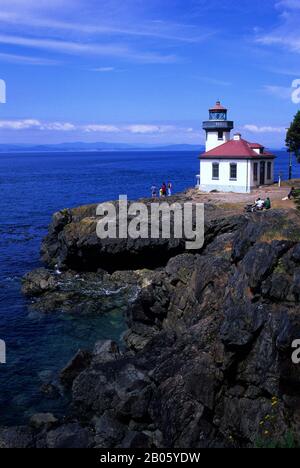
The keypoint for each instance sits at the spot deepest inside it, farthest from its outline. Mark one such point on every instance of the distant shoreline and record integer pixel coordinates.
(120, 150)
(143, 150)
(101, 147)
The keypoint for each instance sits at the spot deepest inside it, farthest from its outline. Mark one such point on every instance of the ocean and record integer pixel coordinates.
(33, 187)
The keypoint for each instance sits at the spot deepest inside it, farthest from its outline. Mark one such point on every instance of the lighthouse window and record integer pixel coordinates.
(220, 135)
(269, 170)
(255, 172)
(215, 171)
(233, 171)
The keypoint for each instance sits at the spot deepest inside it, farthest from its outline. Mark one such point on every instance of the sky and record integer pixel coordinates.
(139, 71)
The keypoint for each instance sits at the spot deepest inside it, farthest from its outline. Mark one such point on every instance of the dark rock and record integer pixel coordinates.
(137, 337)
(277, 287)
(78, 364)
(210, 339)
(296, 253)
(256, 269)
(105, 351)
(242, 324)
(50, 391)
(38, 282)
(69, 436)
(84, 293)
(136, 440)
(43, 420)
(16, 437)
(109, 432)
(72, 242)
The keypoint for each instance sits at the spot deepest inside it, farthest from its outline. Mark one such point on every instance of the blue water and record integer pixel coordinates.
(33, 186)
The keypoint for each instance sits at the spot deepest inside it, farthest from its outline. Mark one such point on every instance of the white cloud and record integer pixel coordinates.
(58, 126)
(19, 124)
(289, 4)
(103, 69)
(144, 129)
(27, 60)
(215, 81)
(113, 28)
(63, 46)
(135, 129)
(278, 70)
(101, 128)
(79, 48)
(26, 124)
(263, 129)
(153, 29)
(287, 33)
(281, 92)
(289, 40)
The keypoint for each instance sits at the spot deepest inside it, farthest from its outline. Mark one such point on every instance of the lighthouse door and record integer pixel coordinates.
(262, 173)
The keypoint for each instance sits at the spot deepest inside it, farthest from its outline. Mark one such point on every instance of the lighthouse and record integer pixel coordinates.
(231, 165)
(217, 128)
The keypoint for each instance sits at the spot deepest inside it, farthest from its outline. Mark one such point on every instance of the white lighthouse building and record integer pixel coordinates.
(232, 165)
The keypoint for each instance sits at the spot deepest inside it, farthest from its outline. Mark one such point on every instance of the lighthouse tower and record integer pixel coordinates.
(217, 128)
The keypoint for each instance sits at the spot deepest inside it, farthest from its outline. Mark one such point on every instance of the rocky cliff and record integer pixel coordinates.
(208, 356)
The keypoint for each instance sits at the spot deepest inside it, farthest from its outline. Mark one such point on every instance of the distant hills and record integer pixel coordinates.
(100, 147)
(94, 147)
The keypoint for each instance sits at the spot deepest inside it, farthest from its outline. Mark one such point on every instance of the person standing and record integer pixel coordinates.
(153, 191)
(164, 189)
(169, 189)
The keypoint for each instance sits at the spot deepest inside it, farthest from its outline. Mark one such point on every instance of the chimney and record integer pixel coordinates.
(237, 136)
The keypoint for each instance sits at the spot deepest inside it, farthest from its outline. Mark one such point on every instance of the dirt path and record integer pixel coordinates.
(237, 201)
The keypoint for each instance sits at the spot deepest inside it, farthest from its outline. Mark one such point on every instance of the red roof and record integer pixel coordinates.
(235, 149)
(218, 107)
(255, 145)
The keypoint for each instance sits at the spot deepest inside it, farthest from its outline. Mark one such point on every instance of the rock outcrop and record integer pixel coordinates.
(72, 241)
(208, 359)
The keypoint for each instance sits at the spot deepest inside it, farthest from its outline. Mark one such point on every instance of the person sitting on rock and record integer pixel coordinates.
(259, 204)
(292, 193)
(267, 203)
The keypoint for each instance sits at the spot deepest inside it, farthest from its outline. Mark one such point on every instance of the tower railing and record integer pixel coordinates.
(212, 124)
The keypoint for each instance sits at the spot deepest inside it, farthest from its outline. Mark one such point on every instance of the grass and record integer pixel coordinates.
(268, 430)
(288, 441)
(280, 267)
(286, 233)
(274, 234)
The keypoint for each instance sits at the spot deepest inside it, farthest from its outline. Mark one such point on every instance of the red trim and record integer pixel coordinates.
(218, 107)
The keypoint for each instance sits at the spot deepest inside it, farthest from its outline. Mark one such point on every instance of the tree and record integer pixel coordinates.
(293, 137)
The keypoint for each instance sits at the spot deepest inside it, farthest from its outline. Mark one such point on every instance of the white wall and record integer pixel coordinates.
(224, 184)
(212, 140)
(245, 175)
(256, 183)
